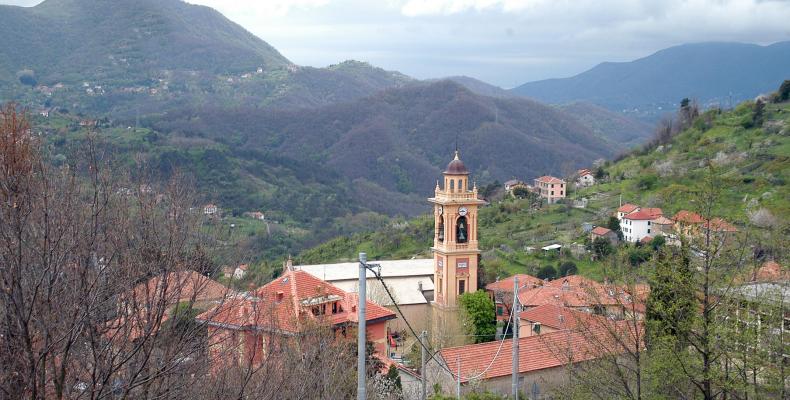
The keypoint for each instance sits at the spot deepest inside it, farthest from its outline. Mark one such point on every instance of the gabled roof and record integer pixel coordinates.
(506, 285)
(536, 352)
(173, 287)
(663, 221)
(639, 216)
(646, 239)
(688, 217)
(555, 316)
(549, 179)
(770, 271)
(720, 225)
(628, 208)
(583, 172)
(600, 231)
(285, 304)
(654, 212)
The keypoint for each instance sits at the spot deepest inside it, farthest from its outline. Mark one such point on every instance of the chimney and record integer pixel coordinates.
(280, 296)
(419, 286)
(288, 265)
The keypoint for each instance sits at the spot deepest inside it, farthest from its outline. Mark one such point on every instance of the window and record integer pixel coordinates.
(648, 230)
(439, 287)
(500, 311)
(461, 286)
(337, 308)
(460, 185)
(452, 185)
(440, 230)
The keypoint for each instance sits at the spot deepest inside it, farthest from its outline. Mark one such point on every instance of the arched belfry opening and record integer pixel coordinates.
(440, 229)
(461, 230)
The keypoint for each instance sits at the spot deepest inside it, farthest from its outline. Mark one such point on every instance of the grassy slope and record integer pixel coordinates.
(754, 164)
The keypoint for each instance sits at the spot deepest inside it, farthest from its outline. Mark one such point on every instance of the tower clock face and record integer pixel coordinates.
(441, 210)
(462, 211)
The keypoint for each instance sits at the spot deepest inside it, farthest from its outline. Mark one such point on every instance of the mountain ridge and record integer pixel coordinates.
(713, 73)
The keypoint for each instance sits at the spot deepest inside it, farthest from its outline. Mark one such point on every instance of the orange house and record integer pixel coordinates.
(243, 329)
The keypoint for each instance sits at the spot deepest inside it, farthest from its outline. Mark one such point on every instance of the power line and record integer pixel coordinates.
(433, 355)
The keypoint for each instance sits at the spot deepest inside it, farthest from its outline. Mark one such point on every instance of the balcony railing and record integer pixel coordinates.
(447, 195)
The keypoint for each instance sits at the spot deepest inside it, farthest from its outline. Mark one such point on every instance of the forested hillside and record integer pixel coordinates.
(745, 151)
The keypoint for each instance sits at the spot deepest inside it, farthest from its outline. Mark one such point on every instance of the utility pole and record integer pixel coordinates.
(361, 342)
(514, 315)
(458, 384)
(423, 334)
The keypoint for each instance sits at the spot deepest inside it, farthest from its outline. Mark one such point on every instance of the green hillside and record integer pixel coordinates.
(750, 160)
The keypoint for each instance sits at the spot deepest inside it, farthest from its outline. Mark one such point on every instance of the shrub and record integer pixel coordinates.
(602, 247)
(567, 268)
(784, 91)
(547, 272)
(638, 256)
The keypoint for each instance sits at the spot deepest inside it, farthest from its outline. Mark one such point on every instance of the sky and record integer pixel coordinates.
(503, 42)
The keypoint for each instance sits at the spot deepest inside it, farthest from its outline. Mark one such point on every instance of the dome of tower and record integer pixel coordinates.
(456, 167)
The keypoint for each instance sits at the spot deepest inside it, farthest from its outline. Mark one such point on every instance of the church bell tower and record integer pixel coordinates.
(455, 250)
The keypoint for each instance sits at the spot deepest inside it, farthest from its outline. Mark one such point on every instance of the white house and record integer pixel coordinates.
(585, 178)
(637, 225)
(240, 271)
(625, 209)
(210, 209)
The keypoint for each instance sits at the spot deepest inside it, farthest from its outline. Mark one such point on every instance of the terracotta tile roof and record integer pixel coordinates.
(646, 239)
(578, 292)
(287, 303)
(506, 285)
(639, 216)
(556, 317)
(178, 286)
(583, 172)
(654, 212)
(549, 179)
(663, 221)
(770, 271)
(600, 231)
(537, 352)
(628, 208)
(720, 225)
(688, 217)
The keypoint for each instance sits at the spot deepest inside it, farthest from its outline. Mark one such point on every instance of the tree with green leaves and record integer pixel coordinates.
(602, 247)
(479, 315)
(567, 268)
(547, 272)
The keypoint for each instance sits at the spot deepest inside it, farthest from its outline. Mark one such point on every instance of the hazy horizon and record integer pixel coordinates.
(503, 42)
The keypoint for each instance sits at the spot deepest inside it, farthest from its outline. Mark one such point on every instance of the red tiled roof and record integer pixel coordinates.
(654, 212)
(285, 304)
(549, 179)
(549, 350)
(506, 285)
(600, 231)
(646, 239)
(720, 225)
(770, 271)
(178, 286)
(688, 217)
(639, 216)
(627, 208)
(555, 316)
(583, 172)
(663, 221)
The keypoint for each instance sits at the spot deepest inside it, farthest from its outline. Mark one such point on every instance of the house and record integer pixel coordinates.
(241, 271)
(687, 223)
(501, 292)
(227, 271)
(210, 209)
(663, 226)
(242, 328)
(549, 318)
(514, 183)
(584, 178)
(550, 188)
(637, 225)
(582, 294)
(543, 361)
(409, 281)
(626, 208)
(149, 304)
(606, 233)
(256, 215)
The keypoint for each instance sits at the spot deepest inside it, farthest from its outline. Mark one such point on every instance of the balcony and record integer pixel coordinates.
(446, 195)
(452, 246)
